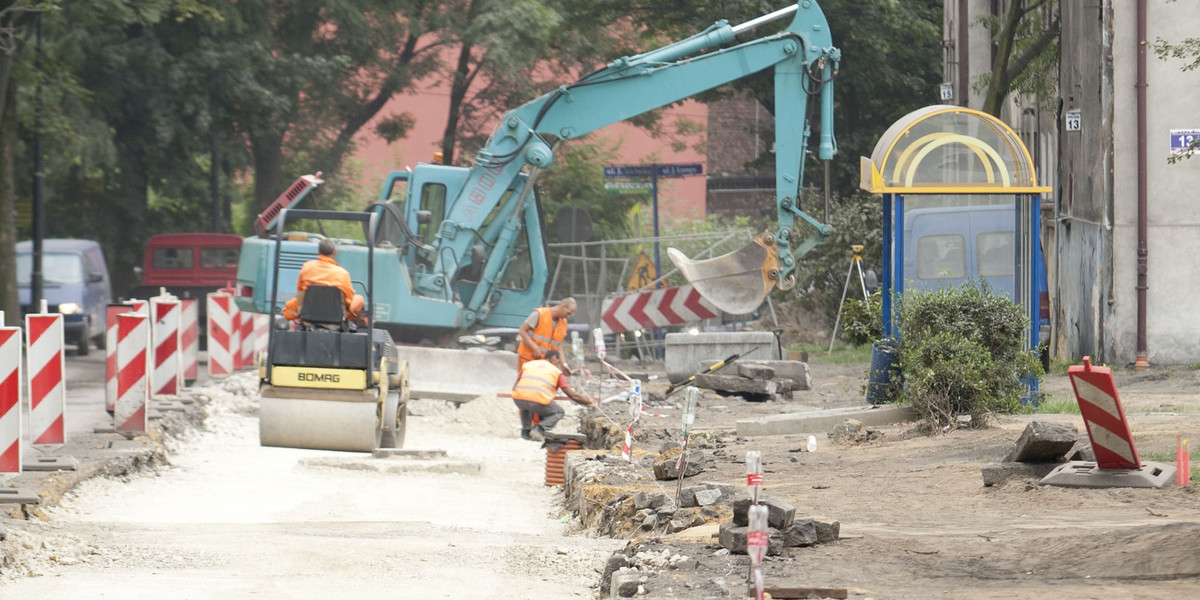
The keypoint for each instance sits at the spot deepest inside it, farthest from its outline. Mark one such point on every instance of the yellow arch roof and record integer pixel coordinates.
(944, 149)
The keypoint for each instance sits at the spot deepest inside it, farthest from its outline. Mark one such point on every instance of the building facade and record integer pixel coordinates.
(1121, 228)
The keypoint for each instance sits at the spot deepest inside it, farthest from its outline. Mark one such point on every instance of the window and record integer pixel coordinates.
(218, 258)
(996, 257)
(173, 258)
(56, 268)
(941, 257)
(519, 272)
(433, 199)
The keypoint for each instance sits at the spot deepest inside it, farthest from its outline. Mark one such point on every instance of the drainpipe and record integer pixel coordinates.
(1142, 263)
(964, 55)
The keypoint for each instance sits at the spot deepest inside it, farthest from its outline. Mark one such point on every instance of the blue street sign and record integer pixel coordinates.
(669, 170)
(1183, 140)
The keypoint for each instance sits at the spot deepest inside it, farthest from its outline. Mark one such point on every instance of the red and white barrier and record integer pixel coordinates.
(189, 339)
(110, 353)
(47, 390)
(235, 335)
(166, 379)
(262, 332)
(220, 334)
(129, 414)
(1101, 409)
(655, 308)
(10, 399)
(247, 338)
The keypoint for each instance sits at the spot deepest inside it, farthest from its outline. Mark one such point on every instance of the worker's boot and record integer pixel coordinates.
(537, 434)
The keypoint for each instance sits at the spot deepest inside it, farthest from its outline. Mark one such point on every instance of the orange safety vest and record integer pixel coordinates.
(547, 335)
(538, 382)
(323, 271)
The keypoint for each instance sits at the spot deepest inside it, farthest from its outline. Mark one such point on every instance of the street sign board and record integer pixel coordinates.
(628, 187)
(1184, 141)
(1074, 120)
(668, 170)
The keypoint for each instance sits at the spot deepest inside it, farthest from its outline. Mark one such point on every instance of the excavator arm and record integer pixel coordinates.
(804, 62)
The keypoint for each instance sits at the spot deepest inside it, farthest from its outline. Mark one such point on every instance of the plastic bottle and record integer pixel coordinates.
(598, 338)
(689, 409)
(757, 541)
(754, 474)
(577, 347)
(635, 399)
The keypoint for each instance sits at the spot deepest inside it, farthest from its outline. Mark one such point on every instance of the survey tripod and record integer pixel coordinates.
(855, 262)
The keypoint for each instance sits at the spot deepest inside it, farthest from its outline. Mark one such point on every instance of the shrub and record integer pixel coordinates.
(862, 320)
(962, 353)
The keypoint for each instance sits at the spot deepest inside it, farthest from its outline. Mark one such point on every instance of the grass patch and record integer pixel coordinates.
(843, 353)
(1057, 406)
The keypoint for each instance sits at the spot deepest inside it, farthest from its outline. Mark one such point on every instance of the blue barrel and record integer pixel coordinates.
(884, 355)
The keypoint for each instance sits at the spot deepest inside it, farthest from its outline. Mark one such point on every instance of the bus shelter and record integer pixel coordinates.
(960, 203)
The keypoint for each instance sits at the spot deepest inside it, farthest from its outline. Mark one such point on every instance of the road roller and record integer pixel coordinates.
(327, 383)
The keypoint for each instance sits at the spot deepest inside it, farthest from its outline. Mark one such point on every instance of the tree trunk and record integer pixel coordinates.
(268, 171)
(458, 91)
(9, 302)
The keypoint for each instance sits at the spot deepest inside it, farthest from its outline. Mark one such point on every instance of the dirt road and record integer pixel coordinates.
(231, 519)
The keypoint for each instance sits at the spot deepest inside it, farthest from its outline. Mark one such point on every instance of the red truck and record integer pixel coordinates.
(189, 265)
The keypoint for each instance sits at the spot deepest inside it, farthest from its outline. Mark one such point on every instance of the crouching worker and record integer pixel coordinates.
(325, 271)
(534, 394)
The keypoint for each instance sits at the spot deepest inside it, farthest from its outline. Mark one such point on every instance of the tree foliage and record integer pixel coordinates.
(1026, 53)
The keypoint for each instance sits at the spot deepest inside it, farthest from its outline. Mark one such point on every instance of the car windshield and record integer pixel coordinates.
(56, 268)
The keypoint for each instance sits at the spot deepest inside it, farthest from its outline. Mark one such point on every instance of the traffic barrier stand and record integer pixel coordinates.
(235, 336)
(220, 334)
(262, 331)
(110, 354)
(189, 339)
(247, 339)
(47, 390)
(129, 416)
(10, 400)
(166, 378)
(1117, 463)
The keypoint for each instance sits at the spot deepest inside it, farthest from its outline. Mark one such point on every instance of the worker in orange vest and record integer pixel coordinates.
(544, 330)
(325, 271)
(534, 394)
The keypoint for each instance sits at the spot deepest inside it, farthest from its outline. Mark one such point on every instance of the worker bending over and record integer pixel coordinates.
(325, 271)
(544, 330)
(534, 394)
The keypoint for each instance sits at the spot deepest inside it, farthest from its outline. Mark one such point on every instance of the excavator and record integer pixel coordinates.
(460, 247)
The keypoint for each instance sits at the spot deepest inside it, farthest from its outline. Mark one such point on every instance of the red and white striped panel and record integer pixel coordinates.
(262, 331)
(220, 326)
(247, 339)
(655, 308)
(110, 353)
(129, 413)
(189, 339)
(235, 336)
(10, 399)
(1096, 391)
(47, 390)
(165, 379)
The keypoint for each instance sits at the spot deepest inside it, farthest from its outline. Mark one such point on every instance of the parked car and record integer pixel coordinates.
(75, 283)
(189, 265)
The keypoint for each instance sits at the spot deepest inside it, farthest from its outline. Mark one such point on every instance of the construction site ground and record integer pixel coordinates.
(916, 520)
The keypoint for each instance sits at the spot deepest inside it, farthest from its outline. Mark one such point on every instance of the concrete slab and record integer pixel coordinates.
(825, 420)
(405, 453)
(458, 375)
(50, 463)
(685, 352)
(1087, 474)
(128, 445)
(394, 466)
(18, 496)
(995, 473)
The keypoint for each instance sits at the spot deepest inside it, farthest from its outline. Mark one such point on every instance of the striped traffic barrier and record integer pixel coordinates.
(165, 379)
(262, 331)
(110, 354)
(47, 391)
(10, 399)
(235, 335)
(129, 413)
(189, 339)
(220, 334)
(247, 337)
(1100, 407)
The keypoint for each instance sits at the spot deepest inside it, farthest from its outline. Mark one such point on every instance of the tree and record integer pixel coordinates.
(1187, 50)
(1026, 53)
(15, 20)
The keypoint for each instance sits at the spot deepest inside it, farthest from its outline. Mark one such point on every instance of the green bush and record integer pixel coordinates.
(962, 353)
(862, 320)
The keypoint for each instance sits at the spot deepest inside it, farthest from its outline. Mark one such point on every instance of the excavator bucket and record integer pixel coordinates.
(738, 282)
